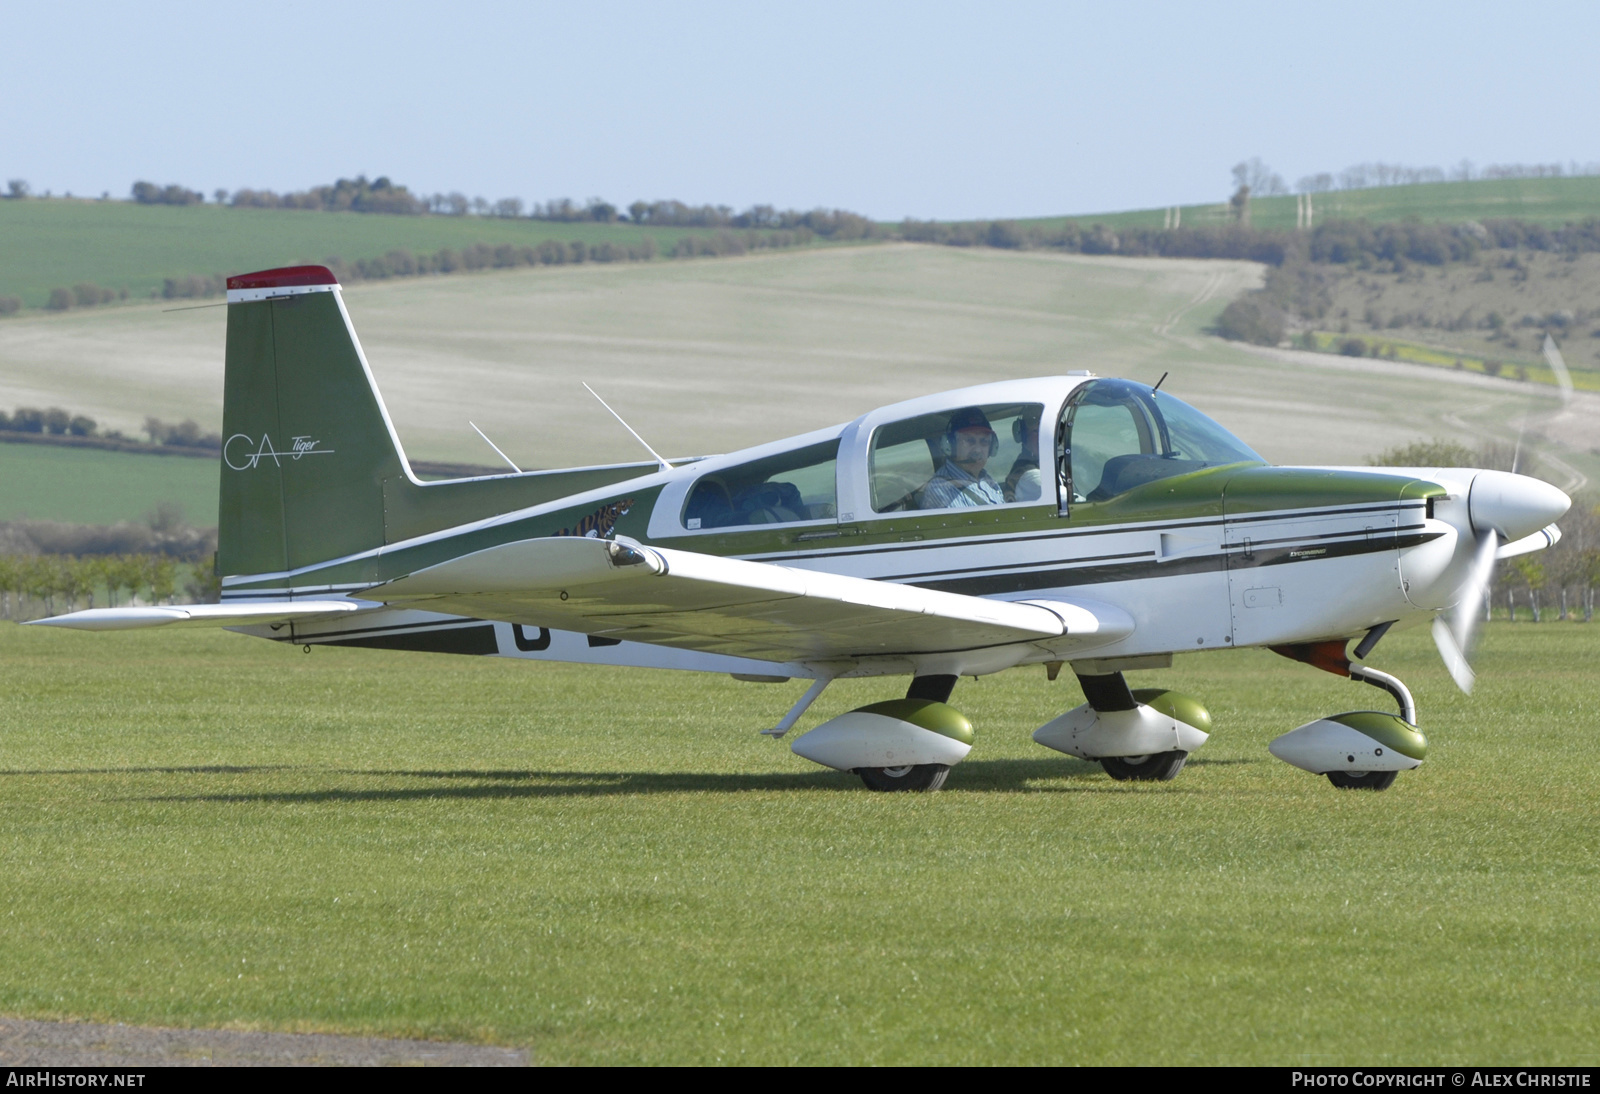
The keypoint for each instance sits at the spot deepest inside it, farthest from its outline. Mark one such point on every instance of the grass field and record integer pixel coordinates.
(1546, 201)
(613, 867)
(120, 245)
(88, 486)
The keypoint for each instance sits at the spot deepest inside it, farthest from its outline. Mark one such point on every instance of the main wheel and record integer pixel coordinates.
(1157, 767)
(909, 777)
(1362, 780)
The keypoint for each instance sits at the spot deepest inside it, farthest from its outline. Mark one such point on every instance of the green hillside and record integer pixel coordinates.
(90, 486)
(121, 245)
(1544, 201)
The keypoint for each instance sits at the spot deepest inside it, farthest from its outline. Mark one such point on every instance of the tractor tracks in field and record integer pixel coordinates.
(1207, 291)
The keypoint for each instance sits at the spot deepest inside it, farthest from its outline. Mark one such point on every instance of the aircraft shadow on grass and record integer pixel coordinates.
(980, 776)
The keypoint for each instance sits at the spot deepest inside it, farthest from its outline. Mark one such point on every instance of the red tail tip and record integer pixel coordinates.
(284, 277)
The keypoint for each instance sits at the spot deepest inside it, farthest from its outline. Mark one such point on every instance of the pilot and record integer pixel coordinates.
(961, 481)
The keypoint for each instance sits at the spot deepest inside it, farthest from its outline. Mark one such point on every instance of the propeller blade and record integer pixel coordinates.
(1558, 365)
(1454, 636)
(1468, 609)
(1455, 658)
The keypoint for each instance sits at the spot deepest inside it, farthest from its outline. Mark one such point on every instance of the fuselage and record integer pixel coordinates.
(1125, 497)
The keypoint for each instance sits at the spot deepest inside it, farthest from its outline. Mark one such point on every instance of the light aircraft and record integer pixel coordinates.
(927, 538)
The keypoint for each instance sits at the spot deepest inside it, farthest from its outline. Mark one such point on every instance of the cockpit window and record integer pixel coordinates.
(782, 489)
(1117, 434)
(970, 456)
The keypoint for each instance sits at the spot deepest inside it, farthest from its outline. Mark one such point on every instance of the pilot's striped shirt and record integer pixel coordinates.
(953, 488)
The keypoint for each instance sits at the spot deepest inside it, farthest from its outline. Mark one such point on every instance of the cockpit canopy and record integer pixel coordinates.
(983, 446)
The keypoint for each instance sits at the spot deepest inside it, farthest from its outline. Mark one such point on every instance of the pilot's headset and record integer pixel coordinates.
(967, 418)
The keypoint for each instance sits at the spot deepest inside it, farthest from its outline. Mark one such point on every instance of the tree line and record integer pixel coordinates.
(33, 585)
(59, 422)
(1262, 181)
(383, 195)
(507, 256)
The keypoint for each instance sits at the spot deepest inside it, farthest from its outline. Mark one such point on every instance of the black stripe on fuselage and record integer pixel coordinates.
(1065, 576)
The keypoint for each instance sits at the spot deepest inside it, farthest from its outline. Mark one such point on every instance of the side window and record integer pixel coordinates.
(1102, 433)
(782, 489)
(1117, 435)
(970, 456)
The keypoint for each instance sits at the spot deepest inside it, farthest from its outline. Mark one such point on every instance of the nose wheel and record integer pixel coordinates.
(1359, 749)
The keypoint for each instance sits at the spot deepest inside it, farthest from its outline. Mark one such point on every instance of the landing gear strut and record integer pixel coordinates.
(1360, 749)
(1144, 735)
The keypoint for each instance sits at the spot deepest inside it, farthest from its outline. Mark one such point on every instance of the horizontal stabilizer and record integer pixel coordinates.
(624, 590)
(201, 615)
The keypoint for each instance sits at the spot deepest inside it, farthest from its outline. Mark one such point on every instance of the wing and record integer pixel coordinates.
(203, 615)
(621, 589)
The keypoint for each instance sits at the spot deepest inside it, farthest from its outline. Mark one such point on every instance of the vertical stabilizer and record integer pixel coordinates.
(307, 441)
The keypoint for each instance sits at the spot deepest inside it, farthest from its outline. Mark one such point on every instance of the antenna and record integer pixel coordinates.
(496, 447)
(665, 466)
(1153, 390)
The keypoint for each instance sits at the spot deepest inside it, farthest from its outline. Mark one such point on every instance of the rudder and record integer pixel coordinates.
(308, 442)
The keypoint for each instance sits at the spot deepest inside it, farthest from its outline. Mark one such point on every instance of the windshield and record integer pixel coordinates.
(1116, 435)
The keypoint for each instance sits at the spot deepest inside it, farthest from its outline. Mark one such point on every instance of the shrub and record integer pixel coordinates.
(148, 193)
(1352, 347)
(176, 288)
(60, 300)
(1252, 318)
(86, 294)
(10, 305)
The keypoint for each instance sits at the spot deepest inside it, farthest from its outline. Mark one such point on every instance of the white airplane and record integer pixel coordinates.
(927, 538)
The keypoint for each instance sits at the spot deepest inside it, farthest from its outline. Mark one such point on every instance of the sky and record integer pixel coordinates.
(930, 110)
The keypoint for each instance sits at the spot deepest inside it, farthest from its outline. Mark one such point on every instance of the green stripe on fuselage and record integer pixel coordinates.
(1201, 497)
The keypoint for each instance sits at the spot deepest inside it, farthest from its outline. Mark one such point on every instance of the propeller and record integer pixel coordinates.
(1502, 508)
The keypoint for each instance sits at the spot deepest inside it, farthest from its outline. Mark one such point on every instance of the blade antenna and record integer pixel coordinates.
(665, 466)
(496, 447)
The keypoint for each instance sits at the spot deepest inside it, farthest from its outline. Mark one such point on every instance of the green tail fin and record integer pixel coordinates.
(311, 467)
(307, 442)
